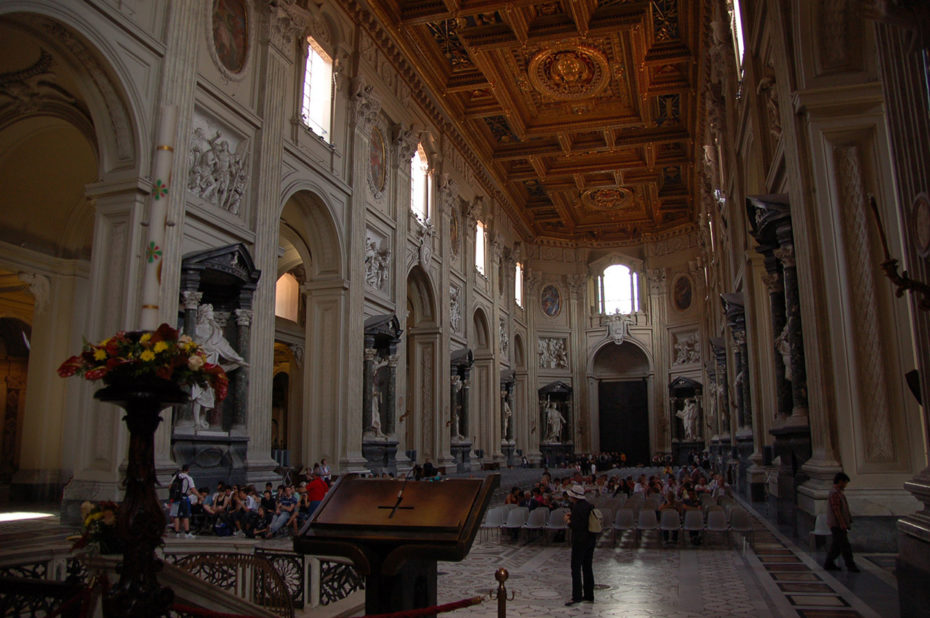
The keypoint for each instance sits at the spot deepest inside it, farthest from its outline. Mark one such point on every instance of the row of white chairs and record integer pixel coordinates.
(519, 519)
(718, 520)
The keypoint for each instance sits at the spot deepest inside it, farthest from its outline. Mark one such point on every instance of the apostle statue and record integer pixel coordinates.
(209, 334)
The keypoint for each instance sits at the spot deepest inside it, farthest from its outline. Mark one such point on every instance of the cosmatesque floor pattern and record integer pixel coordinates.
(768, 577)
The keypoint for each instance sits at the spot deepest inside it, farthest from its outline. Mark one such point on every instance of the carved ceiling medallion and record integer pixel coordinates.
(566, 74)
(607, 199)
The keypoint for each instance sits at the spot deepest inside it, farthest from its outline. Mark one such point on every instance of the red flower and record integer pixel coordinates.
(70, 367)
(96, 373)
(164, 333)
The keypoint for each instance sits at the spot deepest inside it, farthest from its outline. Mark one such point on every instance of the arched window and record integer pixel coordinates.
(287, 297)
(317, 102)
(617, 290)
(419, 185)
(518, 284)
(481, 245)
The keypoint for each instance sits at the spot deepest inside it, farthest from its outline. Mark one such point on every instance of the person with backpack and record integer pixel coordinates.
(584, 537)
(178, 493)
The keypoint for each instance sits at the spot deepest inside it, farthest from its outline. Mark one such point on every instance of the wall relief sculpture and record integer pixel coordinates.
(455, 309)
(218, 170)
(504, 338)
(377, 263)
(687, 349)
(552, 353)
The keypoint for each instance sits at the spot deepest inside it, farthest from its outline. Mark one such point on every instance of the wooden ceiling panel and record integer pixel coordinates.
(581, 110)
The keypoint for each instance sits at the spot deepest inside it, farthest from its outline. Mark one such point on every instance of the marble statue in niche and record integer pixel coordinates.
(375, 429)
(689, 418)
(209, 334)
(783, 347)
(217, 174)
(377, 264)
(554, 421)
(456, 420)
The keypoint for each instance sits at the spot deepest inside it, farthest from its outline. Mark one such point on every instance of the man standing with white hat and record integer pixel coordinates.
(583, 542)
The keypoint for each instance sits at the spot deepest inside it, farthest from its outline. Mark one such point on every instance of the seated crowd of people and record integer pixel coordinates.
(239, 510)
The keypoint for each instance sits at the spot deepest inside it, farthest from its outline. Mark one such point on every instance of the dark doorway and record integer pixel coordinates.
(624, 419)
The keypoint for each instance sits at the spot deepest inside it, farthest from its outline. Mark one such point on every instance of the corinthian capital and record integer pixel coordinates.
(364, 104)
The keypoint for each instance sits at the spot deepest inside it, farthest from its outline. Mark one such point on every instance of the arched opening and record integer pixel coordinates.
(422, 432)
(67, 128)
(309, 321)
(621, 376)
(484, 400)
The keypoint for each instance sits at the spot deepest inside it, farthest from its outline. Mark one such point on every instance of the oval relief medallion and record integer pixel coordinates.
(230, 33)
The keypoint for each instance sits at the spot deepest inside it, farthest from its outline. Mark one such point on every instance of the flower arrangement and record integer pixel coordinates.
(99, 533)
(147, 355)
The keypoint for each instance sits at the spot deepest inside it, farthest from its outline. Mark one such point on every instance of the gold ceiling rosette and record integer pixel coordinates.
(610, 199)
(567, 73)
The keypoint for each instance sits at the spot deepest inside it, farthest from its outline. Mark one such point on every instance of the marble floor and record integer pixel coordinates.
(770, 577)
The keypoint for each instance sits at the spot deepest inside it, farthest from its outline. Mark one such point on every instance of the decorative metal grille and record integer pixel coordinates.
(229, 571)
(290, 567)
(337, 581)
(36, 570)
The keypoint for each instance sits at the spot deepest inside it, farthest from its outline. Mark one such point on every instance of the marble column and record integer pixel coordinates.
(390, 412)
(368, 379)
(184, 420)
(243, 331)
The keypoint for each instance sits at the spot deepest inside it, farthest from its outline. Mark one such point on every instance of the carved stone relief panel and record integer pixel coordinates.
(377, 261)
(552, 352)
(686, 348)
(455, 309)
(218, 164)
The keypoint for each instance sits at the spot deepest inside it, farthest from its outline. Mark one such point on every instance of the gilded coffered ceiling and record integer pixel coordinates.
(583, 110)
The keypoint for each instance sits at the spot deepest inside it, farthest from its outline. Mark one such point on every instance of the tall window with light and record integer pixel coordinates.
(481, 239)
(317, 103)
(518, 284)
(736, 25)
(617, 290)
(419, 185)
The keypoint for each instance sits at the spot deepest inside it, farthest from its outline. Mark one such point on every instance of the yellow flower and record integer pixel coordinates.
(147, 356)
(104, 343)
(145, 338)
(161, 346)
(100, 354)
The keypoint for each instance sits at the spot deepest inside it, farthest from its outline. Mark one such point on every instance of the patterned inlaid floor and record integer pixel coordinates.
(769, 577)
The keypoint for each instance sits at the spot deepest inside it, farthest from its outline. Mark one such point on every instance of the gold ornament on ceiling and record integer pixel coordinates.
(565, 74)
(607, 199)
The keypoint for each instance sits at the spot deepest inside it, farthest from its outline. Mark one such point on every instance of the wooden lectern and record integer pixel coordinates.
(394, 531)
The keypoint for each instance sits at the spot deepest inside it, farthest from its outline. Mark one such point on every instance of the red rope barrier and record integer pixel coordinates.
(429, 611)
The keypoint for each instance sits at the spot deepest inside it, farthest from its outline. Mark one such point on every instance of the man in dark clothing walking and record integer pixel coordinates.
(583, 543)
(840, 520)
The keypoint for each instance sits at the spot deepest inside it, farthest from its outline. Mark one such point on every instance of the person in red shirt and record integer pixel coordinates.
(316, 491)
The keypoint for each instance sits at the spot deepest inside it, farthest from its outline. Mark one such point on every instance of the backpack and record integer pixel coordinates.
(594, 522)
(174, 491)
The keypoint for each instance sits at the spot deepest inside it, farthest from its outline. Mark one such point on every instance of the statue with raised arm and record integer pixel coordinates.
(209, 335)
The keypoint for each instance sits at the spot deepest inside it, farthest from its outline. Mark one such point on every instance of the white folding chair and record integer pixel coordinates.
(623, 521)
(670, 521)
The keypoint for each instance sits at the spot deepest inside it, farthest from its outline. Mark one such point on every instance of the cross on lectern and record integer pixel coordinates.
(400, 496)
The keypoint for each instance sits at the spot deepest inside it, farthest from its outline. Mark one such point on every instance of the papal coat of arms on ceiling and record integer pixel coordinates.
(575, 73)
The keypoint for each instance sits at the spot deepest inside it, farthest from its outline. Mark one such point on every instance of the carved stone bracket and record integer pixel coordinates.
(365, 105)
